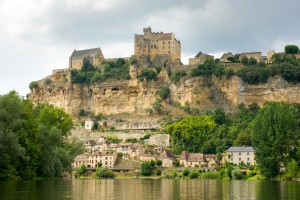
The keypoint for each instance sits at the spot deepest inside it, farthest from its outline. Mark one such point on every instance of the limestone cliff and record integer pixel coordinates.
(133, 97)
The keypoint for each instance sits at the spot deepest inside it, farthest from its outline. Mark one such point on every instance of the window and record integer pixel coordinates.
(163, 42)
(169, 42)
(248, 159)
(231, 159)
(239, 153)
(239, 159)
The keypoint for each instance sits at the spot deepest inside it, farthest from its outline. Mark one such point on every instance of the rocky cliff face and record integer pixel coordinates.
(134, 97)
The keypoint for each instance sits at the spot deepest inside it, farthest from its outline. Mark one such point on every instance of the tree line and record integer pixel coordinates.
(33, 139)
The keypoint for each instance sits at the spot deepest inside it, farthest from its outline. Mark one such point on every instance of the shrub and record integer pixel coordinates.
(157, 172)
(157, 106)
(158, 163)
(103, 172)
(236, 174)
(33, 85)
(47, 81)
(211, 175)
(82, 170)
(158, 69)
(186, 172)
(146, 169)
(193, 174)
(251, 173)
(147, 73)
(164, 92)
(176, 76)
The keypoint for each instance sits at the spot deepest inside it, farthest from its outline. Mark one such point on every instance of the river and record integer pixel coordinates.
(141, 189)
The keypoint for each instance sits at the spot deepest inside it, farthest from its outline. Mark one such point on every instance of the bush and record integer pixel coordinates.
(103, 172)
(158, 69)
(47, 81)
(33, 85)
(82, 170)
(164, 92)
(158, 163)
(176, 76)
(147, 73)
(251, 173)
(211, 175)
(146, 169)
(236, 174)
(186, 172)
(157, 172)
(157, 106)
(193, 174)
(254, 75)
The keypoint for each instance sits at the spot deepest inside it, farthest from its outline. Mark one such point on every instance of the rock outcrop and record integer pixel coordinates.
(134, 97)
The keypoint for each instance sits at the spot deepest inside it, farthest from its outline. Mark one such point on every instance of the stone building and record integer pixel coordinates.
(157, 45)
(94, 55)
(270, 54)
(225, 56)
(200, 58)
(236, 155)
(256, 55)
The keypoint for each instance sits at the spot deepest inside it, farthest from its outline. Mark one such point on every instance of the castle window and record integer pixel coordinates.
(169, 51)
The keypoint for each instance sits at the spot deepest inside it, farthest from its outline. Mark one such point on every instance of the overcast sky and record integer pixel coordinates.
(37, 36)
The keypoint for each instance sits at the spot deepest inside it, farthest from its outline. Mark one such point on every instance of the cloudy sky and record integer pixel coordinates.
(37, 36)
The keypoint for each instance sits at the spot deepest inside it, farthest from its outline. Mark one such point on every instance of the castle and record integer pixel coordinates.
(155, 44)
(95, 56)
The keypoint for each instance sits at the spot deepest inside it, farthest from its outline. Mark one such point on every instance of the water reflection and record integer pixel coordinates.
(148, 189)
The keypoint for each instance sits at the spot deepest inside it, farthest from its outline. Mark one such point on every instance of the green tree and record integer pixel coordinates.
(82, 170)
(87, 65)
(164, 92)
(252, 61)
(157, 105)
(245, 61)
(158, 163)
(146, 169)
(292, 169)
(148, 74)
(33, 85)
(190, 133)
(291, 49)
(103, 172)
(274, 136)
(185, 172)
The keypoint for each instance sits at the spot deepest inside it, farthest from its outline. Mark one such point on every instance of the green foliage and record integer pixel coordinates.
(157, 105)
(209, 68)
(176, 163)
(244, 61)
(47, 81)
(33, 85)
(190, 133)
(194, 174)
(292, 169)
(147, 74)
(90, 75)
(158, 69)
(113, 139)
(157, 172)
(146, 169)
(103, 172)
(228, 170)
(82, 170)
(131, 140)
(158, 163)
(32, 141)
(291, 49)
(236, 174)
(176, 76)
(164, 92)
(211, 175)
(275, 132)
(186, 172)
(254, 75)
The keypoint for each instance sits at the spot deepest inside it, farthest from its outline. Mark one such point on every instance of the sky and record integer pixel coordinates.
(38, 36)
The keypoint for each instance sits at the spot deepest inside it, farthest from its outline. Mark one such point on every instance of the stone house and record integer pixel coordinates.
(270, 54)
(155, 44)
(79, 160)
(225, 56)
(88, 124)
(256, 55)
(101, 145)
(167, 158)
(239, 154)
(200, 58)
(94, 55)
(106, 158)
(148, 157)
(88, 145)
(124, 148)
(198, 160)
(135, 151)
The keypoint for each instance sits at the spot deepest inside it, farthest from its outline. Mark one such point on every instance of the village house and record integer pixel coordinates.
(198, 160)
(200, 58)
(135, 151)
(225, 56)
(88, 145)
(106, 158)
(256, 55)
(124, 148)
(167, 158)
(88, 124)
(101, 145)
(239, 154)
(148, 157)
(95, 56)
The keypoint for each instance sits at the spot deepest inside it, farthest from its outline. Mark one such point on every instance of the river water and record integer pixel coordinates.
(148, 189)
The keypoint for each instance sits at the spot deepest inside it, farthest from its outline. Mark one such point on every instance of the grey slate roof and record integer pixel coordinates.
(240, 149)
(80, 54)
